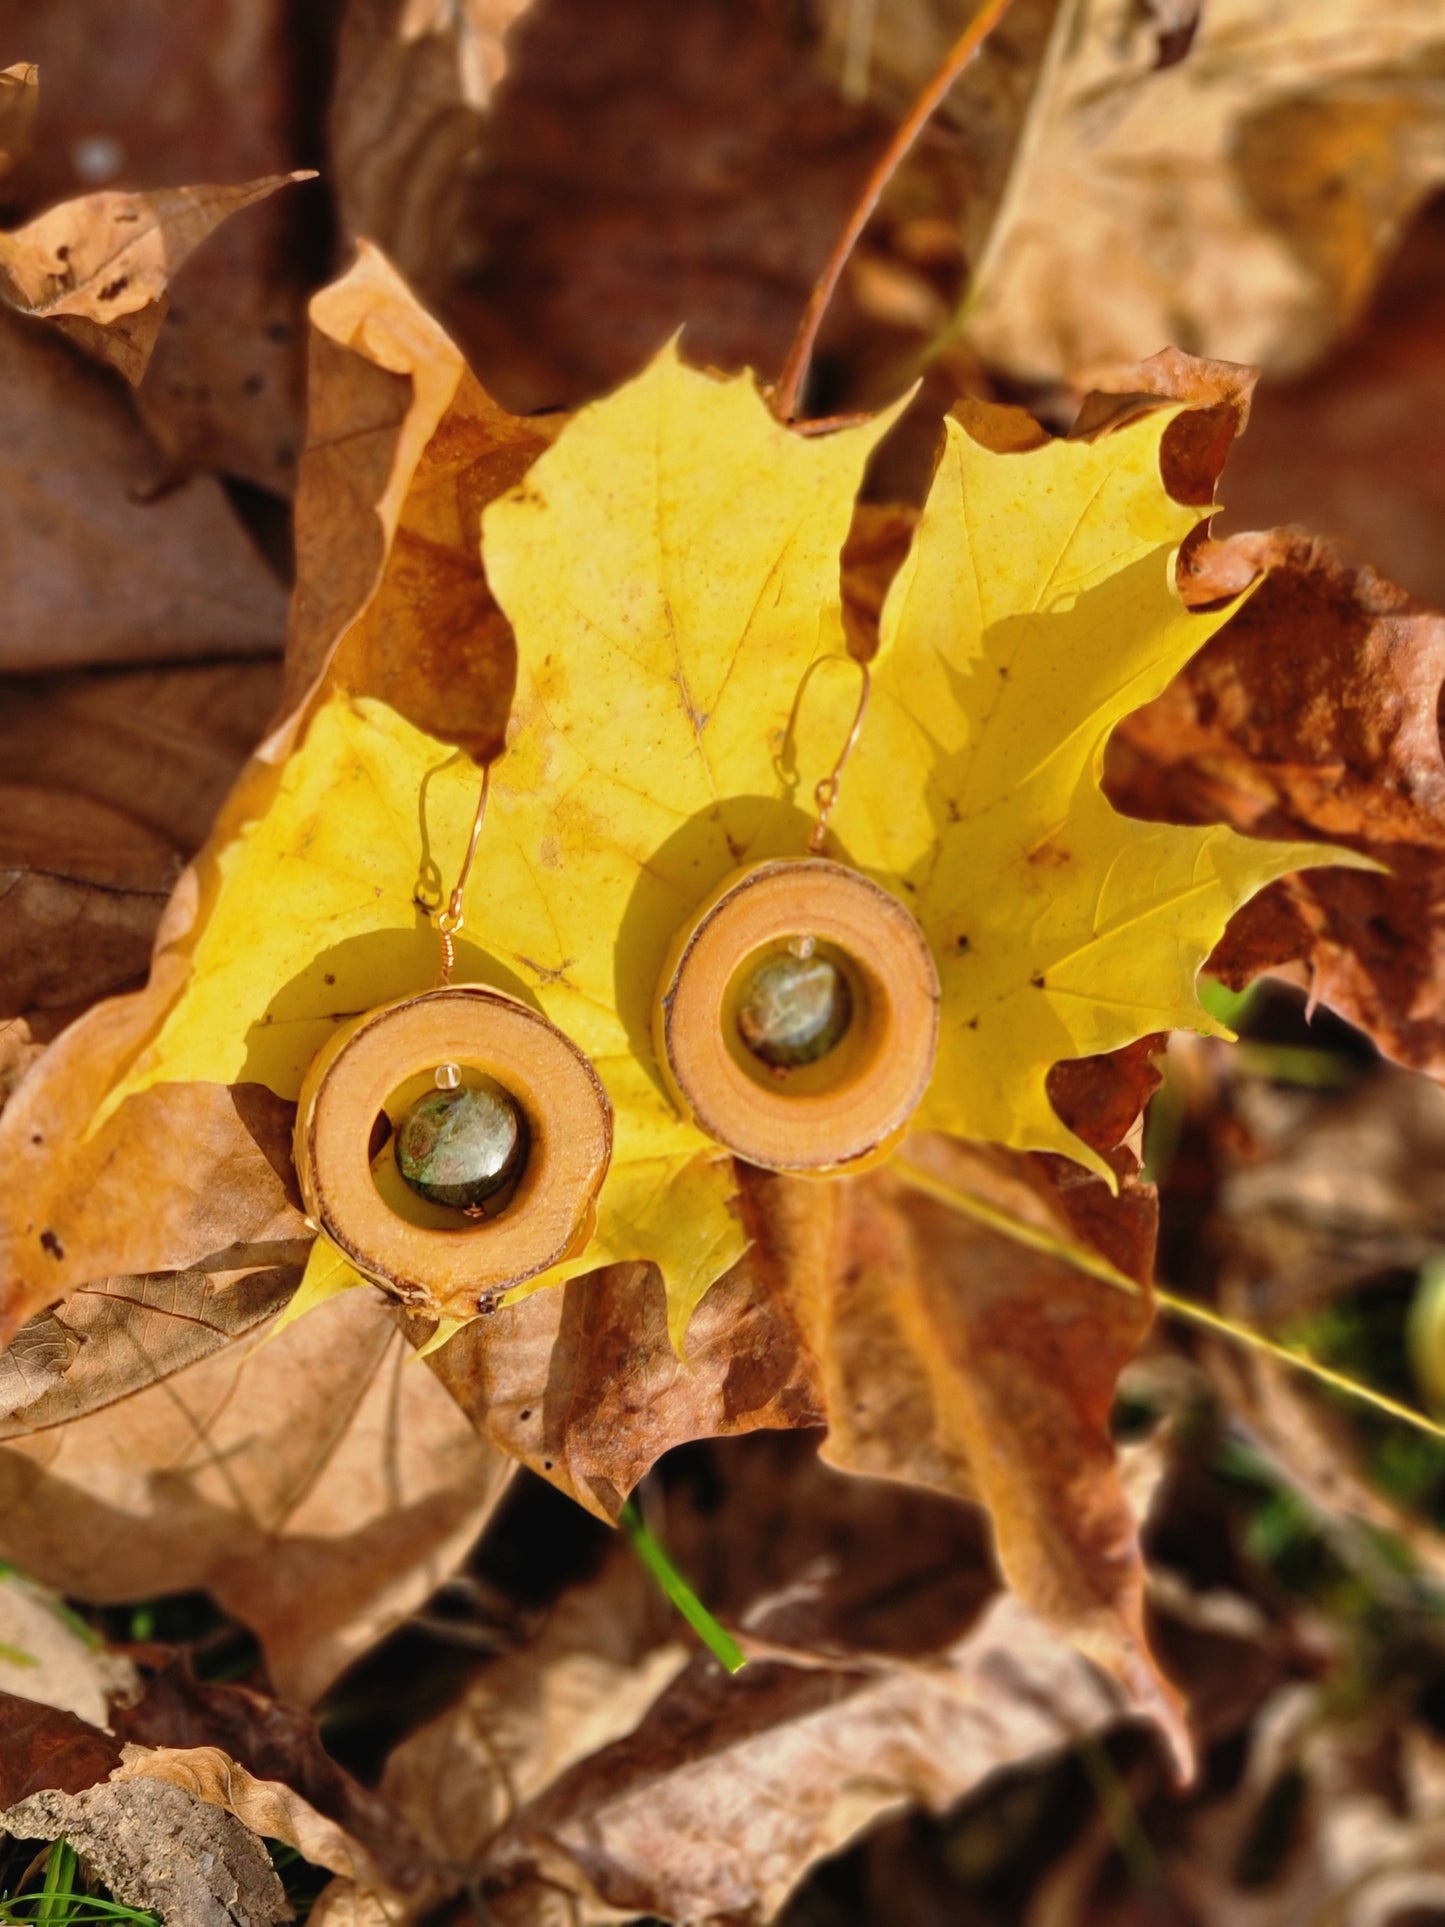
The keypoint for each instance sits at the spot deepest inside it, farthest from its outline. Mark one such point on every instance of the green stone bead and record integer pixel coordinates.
(461, 1147)
(794, 1010)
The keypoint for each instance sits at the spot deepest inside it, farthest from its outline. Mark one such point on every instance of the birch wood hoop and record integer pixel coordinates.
(374, 1068)
(850, 1107)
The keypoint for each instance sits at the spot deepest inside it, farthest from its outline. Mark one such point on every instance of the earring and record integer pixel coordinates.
(452, 1144)
(797, 1015)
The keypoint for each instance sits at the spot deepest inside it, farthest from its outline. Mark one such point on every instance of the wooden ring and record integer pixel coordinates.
(849, 1108)
(378, 1064)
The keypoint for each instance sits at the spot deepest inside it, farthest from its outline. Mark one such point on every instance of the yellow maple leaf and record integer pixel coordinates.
(672, 567)
(1036, 608)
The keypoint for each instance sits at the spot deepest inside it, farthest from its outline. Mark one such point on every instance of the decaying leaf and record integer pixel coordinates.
(157, 1846)
(109, 785)
(797, 1759)
(99, 268)
(1244, 197)
(584, 1383)
(49, 1748)
(266, 1807)
(1353, 753)
(317, 1486)
(221, 90)
(883, 1665)
(97, 567)
(413, 79)
(949, 1357)
(44, 1657)
(19, 94)
(279, 1745)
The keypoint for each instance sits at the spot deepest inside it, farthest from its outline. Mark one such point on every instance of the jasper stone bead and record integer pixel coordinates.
(795, 1009)
(460, 1147)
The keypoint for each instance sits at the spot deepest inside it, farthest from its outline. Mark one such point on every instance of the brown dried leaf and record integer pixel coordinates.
(158, 1846)
(412, 81)
(606, 1652)
(121, 1335)
(582, 1383)
(44, 1747)
(953, 1357)
(793, 1761)
(1353, 449)
(273, 1742)
(83, 887)
(100, 268)
(267, 1807)
(19, 96)
(111, 783)
(44, 1658)
(145, 96)
(1244, 197)
(1351, 752)
(857, 1599)
(37, 1359)
(317, 1486)
(97, 567)
(645, 165)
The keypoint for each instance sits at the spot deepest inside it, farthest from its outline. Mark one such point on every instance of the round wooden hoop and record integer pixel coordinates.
(849, 1109)
(456, 1270)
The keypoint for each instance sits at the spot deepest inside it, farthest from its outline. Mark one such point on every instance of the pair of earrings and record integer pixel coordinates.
(458, 1140)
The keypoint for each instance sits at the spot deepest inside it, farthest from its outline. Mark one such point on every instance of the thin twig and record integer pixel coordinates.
(1185, 1308)
(790, 381)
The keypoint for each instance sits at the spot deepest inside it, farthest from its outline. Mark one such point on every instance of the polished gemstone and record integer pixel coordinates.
(461, 1146)
(795, 1008)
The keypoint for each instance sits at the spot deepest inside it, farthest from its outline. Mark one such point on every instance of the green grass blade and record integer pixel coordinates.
(718, 1641)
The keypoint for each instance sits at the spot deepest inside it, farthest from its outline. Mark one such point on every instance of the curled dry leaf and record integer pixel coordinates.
(884, 1667)
(584, 1385)
(44, 1657)
(1244, 197)
(223, 89)
(412, 80)
(156, 1846)
(316, 1486)
(604, 1655)
(644, 166)
(950, 1357)
(100, 268)
(110, 784)
(273, 1742)
(47, 1748)
(266, 1807)
(791, 1761)
(19, 95)
(99, 568)
(1353, 753)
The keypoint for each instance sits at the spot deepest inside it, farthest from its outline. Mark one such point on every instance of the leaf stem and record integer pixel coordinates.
(1187, 1309)
(790, 380)
(719, 1642)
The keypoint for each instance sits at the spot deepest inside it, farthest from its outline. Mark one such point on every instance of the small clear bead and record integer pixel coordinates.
(795, 1008)
(448, 1076)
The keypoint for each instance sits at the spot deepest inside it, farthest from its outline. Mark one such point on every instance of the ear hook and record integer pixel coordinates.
(825, 794)
(449, 921)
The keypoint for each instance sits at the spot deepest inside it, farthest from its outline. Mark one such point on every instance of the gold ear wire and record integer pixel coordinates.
(825, 792)
(450, 920)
